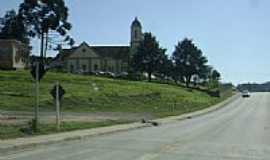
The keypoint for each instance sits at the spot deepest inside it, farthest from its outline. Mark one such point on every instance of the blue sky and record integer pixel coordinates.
(234, 35)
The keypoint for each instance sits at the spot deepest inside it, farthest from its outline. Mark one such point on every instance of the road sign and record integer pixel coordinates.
(41, 70)
(60, 90)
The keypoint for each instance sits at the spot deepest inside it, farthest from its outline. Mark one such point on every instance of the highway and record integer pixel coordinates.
(239, 131)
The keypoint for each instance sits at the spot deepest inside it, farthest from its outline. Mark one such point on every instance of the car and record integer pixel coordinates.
(245, 93)
(109, 74)
(122, 75)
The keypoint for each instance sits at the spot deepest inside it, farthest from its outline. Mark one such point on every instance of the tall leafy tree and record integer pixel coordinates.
(12, 26)
(215, 75)
(149, 56)
(47, 20)
(164, 70)
(189, 61)
(205, 74)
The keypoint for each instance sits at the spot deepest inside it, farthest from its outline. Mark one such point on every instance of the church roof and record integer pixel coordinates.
(65, 53)
(115, 52)
(136, 22)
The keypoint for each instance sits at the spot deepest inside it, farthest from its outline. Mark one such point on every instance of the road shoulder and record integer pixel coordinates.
(23, 143)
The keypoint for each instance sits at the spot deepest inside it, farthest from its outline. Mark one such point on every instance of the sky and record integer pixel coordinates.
(233, 35)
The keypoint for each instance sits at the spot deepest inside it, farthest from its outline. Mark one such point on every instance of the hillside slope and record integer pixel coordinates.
(96, 94)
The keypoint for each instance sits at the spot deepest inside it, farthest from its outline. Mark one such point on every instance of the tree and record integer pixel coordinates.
(149, 56)
(46, 20)
(164, 70)
(188, 61)
(205, 74)
(214, 78)
(12, 26)
(215, 75)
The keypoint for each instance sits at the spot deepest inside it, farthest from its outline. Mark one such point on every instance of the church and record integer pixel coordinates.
(91, 59)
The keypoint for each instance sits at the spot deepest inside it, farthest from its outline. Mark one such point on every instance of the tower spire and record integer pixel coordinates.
(136, 34)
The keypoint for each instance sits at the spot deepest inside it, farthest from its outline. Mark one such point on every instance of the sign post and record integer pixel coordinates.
(37, 72)
(57, 102)
(57, 93)
(35, 125)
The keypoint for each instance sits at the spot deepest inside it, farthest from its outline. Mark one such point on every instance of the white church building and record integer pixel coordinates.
(85, 58)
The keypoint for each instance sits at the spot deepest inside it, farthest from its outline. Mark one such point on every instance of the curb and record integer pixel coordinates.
(12, 145)
(199, 112)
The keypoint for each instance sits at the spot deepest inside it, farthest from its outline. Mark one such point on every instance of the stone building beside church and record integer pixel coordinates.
(88, 59)
(13, 54)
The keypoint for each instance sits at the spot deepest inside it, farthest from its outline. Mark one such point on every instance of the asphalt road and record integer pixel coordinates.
(240, 131)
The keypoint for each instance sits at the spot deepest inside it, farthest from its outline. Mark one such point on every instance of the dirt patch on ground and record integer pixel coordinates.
(49, 117)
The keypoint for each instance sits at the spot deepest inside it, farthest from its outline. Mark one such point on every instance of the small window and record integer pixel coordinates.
(83, 50)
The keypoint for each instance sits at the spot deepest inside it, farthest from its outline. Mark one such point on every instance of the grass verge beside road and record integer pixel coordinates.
(14, 131)
(96, 94)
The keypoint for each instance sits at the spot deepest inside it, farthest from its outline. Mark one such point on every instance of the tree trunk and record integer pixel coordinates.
(42, 46)
(46, 44)
(175, 81)
(188, 81)
(187, 84)
(149, 76)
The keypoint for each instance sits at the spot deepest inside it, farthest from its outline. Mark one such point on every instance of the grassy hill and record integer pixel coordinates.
(17, 91)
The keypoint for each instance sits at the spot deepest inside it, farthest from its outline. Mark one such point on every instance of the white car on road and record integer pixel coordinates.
(245, 93)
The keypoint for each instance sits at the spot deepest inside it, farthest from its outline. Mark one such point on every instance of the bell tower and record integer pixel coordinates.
(136, 34)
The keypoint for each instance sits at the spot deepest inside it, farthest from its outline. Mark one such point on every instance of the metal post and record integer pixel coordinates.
(37, 97)
(57, 102)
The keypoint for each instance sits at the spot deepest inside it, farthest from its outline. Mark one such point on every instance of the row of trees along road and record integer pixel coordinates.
(187, 63)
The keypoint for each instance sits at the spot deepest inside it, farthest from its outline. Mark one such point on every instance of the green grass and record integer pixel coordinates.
(14, 131)
(17, 93)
